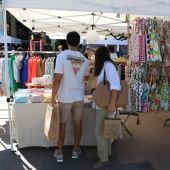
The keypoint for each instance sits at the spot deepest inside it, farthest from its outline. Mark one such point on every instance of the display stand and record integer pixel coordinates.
(126, 113)
(33, 45)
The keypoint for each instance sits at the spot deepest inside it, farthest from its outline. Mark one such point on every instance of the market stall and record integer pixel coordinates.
(159, 7)
(32, 122)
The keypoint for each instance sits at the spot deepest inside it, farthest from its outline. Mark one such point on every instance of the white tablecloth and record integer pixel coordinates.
(28, 126)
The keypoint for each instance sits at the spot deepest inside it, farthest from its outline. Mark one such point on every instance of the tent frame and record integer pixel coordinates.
(6, 75)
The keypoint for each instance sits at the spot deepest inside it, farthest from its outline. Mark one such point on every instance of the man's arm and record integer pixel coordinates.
(55, 87)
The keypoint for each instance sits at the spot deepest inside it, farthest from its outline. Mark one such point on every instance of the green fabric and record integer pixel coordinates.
(164, 97)
(13, 84)
(103, 145)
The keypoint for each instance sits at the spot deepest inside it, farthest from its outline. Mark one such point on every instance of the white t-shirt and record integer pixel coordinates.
(113, 56)
(111, 76)
(74, 66)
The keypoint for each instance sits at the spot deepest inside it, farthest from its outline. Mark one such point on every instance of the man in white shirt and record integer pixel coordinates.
(113, 55)
(71, 70)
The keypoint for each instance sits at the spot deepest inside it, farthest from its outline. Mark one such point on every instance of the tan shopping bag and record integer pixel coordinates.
(111, 127)
(52, 123)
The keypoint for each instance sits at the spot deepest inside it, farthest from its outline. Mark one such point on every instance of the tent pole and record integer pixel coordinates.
(106, 42)
(7, 76)
(128, 30)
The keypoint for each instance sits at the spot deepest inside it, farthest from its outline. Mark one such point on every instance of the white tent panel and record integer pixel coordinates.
(55, 21)
(141, 7)
(11, 40)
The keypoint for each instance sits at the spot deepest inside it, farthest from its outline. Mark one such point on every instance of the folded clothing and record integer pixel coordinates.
(36, 97)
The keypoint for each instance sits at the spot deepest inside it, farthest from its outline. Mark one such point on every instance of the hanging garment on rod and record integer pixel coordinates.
(13, 84)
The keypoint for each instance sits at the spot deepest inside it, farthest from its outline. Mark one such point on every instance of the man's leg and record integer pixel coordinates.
(77, 115)
(61, 137)
(77, 133)
(65, 110)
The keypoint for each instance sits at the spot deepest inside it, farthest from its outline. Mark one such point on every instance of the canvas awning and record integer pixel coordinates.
(57, 19)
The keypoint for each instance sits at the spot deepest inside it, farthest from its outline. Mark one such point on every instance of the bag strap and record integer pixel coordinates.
(104, 77)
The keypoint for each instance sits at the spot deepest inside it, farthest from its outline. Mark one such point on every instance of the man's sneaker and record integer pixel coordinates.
(76, 153)
(59, 156)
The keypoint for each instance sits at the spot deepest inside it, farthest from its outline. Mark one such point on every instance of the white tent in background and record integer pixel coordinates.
(10, 39)
(139, 7)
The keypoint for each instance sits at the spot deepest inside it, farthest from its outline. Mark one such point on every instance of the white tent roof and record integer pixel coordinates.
(57, 18)
(9, 39)
(56, 23)
(145, 7)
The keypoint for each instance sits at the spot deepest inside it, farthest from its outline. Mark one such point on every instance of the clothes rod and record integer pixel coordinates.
(45, 52)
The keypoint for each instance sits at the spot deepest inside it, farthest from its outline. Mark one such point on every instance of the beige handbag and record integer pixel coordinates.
(102, 94)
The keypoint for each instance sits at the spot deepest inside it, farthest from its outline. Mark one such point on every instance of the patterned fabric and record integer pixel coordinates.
(36, 98)
(164, 97)
(145, 107)
(142, 40)
(134, 42)
(138, 90)
(142, 47)
(47, 80)
(152, 48)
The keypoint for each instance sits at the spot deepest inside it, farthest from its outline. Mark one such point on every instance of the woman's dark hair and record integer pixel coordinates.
(73, 38)
(102, 55)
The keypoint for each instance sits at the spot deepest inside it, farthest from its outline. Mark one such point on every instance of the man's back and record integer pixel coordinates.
(74, 66)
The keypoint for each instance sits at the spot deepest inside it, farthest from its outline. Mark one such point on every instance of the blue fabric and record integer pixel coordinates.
(10, 48)
(21, 99)
(24, 71)
(121, 53)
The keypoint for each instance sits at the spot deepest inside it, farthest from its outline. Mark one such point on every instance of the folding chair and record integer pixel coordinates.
(3, 129)
(166, 120)
(129, 113)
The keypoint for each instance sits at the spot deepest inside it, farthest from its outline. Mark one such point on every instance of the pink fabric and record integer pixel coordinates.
(142, 42)
(142, 48)
(134, 42)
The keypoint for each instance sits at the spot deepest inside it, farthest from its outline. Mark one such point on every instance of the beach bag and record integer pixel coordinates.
(102, 94)
(52, 123)
(111, 127)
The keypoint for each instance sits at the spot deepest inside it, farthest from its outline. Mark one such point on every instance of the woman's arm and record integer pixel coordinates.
(112, 107)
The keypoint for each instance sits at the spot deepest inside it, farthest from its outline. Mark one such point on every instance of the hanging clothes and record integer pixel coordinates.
(134, 42)
(13, 84)
(39, 68)
(17, 65)
(142, 41)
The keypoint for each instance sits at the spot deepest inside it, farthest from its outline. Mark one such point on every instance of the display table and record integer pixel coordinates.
(28, 126)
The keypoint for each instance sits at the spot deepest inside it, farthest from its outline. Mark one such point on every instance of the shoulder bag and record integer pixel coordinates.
(102, 94)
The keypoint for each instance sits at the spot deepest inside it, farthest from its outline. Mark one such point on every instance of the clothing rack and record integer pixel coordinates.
(34, 52)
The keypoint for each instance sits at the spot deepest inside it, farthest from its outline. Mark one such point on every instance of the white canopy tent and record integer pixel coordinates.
(139, 7)
(10, 39)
